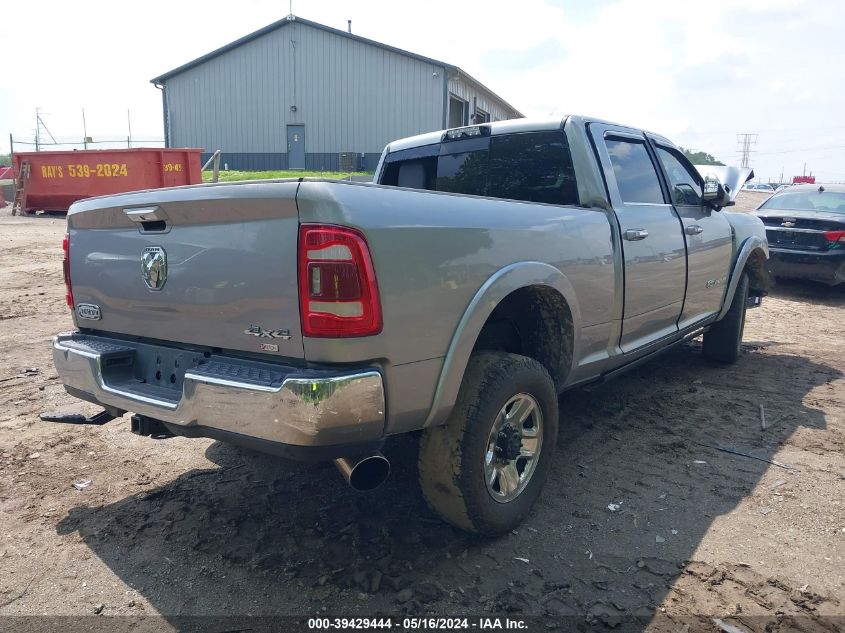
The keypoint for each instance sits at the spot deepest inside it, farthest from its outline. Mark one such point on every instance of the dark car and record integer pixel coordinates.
(805, 226)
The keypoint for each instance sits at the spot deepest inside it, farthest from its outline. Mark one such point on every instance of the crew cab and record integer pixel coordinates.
(484, 271)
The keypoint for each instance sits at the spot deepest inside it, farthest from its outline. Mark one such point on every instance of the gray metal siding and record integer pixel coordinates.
(466, 91)
(350, 96)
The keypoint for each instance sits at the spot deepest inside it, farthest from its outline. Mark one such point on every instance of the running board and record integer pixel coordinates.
(622, 369)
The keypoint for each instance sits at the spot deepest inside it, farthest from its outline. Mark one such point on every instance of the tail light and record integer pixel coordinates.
(338, 293)
(66, 271)
(835, 236)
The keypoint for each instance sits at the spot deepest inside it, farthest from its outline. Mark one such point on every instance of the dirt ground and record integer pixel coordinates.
(184, 527)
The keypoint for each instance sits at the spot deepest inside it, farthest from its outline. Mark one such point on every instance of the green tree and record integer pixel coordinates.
(5, 160)
(700, 158)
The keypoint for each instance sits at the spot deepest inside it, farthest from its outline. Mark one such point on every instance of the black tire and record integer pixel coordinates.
(723, 341)
(453, 457)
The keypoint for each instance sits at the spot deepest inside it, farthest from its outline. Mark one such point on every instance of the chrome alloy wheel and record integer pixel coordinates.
(513, 447)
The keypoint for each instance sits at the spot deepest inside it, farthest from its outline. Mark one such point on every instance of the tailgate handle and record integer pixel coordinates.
(149, 219)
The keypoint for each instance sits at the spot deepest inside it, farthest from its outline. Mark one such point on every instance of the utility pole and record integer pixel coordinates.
(746, 141)
(129, 122)
(84, 131)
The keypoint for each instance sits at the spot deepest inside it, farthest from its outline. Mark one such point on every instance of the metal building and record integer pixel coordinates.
(301, 95)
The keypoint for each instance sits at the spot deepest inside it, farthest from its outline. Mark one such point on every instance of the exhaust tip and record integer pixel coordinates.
(365, 473)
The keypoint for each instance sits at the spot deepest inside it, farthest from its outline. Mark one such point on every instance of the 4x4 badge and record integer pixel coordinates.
(257, 330)
(154, 267)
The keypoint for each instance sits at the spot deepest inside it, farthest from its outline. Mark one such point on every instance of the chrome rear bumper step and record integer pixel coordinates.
(98, 419)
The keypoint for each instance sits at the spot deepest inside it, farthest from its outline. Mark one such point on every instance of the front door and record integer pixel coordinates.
(708, 236)
(652, 238)
(296, 147)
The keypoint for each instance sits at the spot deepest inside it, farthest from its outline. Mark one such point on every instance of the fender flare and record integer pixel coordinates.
(750, 245)
(502, 283)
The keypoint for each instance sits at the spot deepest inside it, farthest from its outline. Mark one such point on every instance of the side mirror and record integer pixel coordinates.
(716, 195)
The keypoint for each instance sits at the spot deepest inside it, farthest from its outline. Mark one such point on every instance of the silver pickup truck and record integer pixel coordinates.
(484, 271)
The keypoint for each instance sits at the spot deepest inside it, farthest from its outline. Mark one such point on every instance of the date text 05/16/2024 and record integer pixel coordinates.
(417, 624)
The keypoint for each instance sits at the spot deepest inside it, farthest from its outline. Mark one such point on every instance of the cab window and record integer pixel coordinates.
(684, 186)
(636, 177)
(529, 166)
(533, 166)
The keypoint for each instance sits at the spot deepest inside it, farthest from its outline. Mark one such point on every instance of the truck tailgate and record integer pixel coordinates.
(211, 265)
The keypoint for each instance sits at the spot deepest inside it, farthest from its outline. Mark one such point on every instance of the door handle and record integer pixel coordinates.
(693, 229)
(634, 235)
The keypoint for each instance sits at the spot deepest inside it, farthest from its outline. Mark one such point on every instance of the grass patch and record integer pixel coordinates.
(232, 176)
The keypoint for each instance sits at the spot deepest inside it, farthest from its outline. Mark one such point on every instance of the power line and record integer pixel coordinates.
(112, 141)
(702, 130)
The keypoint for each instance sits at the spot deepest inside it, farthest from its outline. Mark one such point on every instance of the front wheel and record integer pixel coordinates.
(723, 341)
(484, 469)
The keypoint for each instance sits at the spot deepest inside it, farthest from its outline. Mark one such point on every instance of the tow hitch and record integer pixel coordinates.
(97, 419)
(142, 425)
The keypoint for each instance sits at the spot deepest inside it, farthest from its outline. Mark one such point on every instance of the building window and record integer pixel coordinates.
(457, 112)
(480, 116)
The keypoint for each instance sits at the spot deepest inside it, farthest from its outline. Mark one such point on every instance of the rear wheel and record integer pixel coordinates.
(723, 341)
(484, 469)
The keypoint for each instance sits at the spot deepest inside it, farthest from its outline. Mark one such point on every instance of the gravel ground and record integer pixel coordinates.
(185, 527)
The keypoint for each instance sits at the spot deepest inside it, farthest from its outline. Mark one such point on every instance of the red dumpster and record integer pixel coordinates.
(58, 179)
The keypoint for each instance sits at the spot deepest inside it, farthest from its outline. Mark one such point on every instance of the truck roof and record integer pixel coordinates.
(499, 127)
(510, 126)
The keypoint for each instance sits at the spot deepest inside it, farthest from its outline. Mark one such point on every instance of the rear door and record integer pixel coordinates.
(652, 238)
(708, 236)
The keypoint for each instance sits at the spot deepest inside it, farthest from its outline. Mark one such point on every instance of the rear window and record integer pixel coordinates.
(463, 166)
(807, 200)
(531, 166)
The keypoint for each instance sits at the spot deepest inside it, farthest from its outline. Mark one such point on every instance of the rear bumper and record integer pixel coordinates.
(826, 267)
(299, 413)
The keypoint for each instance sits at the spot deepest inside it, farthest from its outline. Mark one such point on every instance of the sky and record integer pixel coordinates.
(699, 73)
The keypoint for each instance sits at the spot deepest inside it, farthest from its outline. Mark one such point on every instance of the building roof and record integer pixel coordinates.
(292, 18)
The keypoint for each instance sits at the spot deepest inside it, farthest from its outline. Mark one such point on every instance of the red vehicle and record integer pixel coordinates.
(804, 180)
